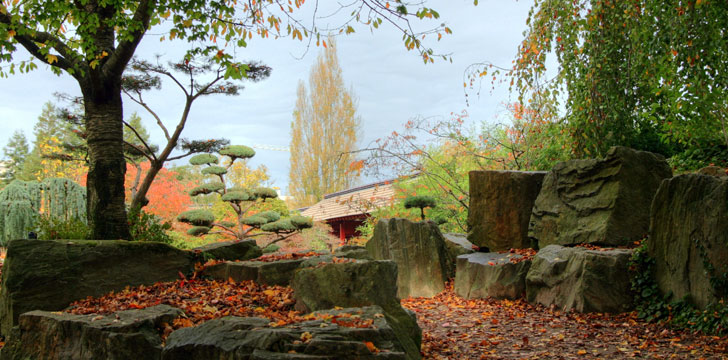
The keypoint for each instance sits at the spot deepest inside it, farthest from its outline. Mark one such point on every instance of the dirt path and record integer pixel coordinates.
(454, 328)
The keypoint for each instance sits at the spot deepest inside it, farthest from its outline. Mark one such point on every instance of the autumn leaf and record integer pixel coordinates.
(371, 347)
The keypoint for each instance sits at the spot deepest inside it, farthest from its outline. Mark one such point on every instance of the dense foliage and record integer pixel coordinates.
(649, 74)
(654, 306)
(61, 202)
(247, 204)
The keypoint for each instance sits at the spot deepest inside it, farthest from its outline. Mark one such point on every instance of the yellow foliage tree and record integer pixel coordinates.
(323, 132)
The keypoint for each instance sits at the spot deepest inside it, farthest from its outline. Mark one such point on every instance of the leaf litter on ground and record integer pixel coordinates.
(456, 328)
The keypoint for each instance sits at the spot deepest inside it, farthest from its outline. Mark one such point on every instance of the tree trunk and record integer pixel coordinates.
(107, 166)
(139, 198)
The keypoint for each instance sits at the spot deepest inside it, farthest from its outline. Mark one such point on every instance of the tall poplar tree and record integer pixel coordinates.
(323, 132)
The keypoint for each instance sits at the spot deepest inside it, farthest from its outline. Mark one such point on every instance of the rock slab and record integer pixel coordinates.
(580, 279)
(254, 338)
(689, 226)
(423, 260)
(358, 283)
(482, 275)
(269, 273)
(130, 334)
(598, 201)
(500, 208)
(231, 250)
(49, 275)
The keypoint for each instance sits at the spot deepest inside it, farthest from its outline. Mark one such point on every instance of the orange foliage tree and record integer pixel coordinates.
(167, 195)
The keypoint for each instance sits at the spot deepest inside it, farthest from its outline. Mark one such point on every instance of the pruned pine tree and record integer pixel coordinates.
(241, 199)
(324, 131)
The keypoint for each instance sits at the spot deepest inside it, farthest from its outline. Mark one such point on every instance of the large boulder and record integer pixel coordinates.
(353, 252)
(269, 273)
(500, 208)
(457, 244)
(321, 339)
(358, 283)
(496, 275)
(420, 252)
(231, 250)
(130, 334)
(580, 279)
(598, 201)
(49, 275)
(689, 229)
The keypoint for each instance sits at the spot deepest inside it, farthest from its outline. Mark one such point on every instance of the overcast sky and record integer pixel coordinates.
(391, 84)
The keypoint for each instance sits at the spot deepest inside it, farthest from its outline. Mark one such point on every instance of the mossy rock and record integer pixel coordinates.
(238, 151)
(231, 250)
(214, 170)
(198, 230)
(237, 196)
(49, 275)
(197, 217)
(203, 159)
(207, 188)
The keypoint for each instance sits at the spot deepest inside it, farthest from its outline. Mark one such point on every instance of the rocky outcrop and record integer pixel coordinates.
(324, 339)
(278, 272)
(457, 244)
(423, 261)
(598, 201)
(689, 229)
(500, 208)
(231, 250)
(353, 252)
(49, 275)
(130, 334)
(482, 275)
(714, 171)
(358, 283)
(580, 279)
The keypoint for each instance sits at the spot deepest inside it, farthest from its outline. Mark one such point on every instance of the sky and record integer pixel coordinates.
(392, 84)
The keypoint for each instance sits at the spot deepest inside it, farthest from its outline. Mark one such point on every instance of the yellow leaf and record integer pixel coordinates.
(11, 33)
(581, 352)
(51, 58)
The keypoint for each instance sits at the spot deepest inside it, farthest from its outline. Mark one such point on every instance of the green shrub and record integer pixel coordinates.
(271, 248)
(653, 306)
(237, 152)
(52, 229)
(202, 159)
(421, 202)
(147, 227)
(197, 217)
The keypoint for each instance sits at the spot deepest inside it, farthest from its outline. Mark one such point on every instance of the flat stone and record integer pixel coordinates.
(254, 338)
(130, 334)
(580, 279)
(231, 250)
(482, 275)
(358, 283)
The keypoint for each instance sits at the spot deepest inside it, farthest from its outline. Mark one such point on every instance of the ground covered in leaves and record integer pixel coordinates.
(455, 328)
